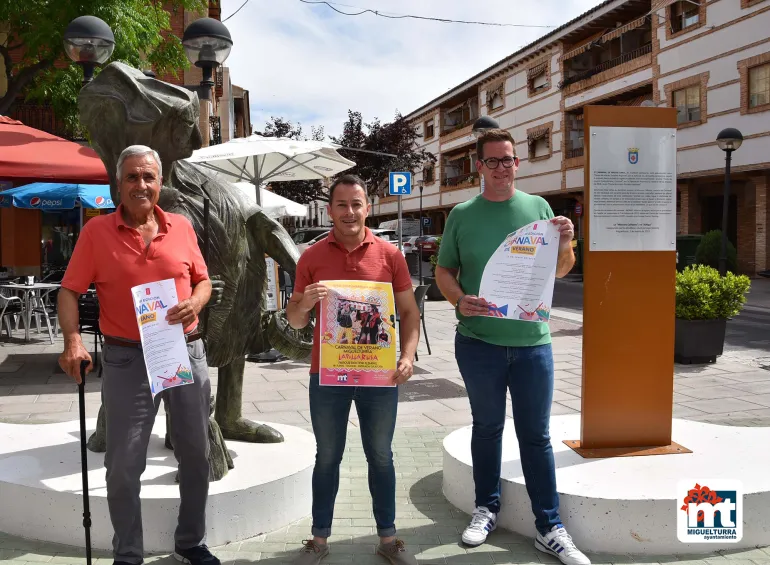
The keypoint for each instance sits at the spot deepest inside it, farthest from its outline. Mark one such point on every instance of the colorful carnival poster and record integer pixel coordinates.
(518, 279)
(163, 344)
(358, 334)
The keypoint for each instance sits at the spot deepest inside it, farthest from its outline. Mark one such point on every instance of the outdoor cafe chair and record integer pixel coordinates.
(419, 296)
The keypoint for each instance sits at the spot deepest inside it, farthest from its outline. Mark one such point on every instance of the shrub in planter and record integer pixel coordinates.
(709, 248)
(704, 302)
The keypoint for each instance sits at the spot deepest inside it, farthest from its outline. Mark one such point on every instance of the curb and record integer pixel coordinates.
(566, 315)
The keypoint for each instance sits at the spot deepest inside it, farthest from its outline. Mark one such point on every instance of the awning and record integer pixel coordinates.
(537, 70)
(30, 155)
(537, 134)
(57, 196)
(617, 32)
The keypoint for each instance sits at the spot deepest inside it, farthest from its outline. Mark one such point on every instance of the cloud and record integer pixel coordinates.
(308, 64)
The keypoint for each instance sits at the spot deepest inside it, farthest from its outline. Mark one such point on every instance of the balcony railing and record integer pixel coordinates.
(630, 56)
(449, 129)
(42, 117)
(572, 153)
(468, 178)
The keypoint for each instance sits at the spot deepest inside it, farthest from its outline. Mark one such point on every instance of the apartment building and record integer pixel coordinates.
(710, 59)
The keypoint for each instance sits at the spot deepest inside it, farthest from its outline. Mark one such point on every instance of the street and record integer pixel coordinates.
(746, 333)
(746, 338)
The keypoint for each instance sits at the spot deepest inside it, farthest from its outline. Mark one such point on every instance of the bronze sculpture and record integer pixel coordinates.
(123, 107)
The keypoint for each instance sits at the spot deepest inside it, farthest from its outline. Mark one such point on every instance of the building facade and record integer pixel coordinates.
(710, 59)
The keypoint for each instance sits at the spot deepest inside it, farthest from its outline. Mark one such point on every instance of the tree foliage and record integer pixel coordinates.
(142, 40)
(396, 138)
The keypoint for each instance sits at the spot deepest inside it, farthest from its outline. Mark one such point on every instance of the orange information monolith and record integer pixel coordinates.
(629, 268)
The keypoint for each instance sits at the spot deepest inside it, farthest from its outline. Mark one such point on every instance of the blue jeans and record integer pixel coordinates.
(329, 412)
(488, 371)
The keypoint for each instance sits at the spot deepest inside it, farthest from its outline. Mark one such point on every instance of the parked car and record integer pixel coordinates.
(305, 237)
(409, 244)
(428, 247)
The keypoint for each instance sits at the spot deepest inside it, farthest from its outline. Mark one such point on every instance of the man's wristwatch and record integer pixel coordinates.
(457, 304)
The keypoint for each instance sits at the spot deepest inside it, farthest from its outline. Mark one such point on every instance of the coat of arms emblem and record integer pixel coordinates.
(633, 155)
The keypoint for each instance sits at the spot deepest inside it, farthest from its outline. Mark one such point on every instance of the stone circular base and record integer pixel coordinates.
(41, 487)
(628, 504)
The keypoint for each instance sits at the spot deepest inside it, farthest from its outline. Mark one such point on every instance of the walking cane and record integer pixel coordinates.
(206, 257)
(84, 459)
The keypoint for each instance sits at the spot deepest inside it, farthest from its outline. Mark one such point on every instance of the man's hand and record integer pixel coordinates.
(74, 353)
(566, 230)
(312, 294)
(473, 306)
(184, 313)
(404, 371)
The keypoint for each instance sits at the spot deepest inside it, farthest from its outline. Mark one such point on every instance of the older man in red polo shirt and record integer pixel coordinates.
(137, 244)
(351, 252)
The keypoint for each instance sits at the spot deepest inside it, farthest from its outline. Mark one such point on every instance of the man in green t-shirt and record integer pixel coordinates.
(495, 355)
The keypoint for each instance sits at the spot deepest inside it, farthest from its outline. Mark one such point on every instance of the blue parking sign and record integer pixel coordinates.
(400, 184)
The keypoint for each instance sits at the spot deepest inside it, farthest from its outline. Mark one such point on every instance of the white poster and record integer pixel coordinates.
(632, 204)
(518, 279)
(163, 344)
(273, 292)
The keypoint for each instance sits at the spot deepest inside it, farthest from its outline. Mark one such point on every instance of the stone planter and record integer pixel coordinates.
(699, 341)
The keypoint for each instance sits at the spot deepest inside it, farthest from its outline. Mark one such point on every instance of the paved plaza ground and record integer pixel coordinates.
(734, 391)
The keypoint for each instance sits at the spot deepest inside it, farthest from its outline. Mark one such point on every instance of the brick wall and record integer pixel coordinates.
(684, 208)
(177, 22)
(747, 230)
(760, 210)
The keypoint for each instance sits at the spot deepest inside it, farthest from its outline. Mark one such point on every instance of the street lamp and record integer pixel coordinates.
(207, 44)
(483, 124)
(728, 140)
(419, 258)
(88, 41)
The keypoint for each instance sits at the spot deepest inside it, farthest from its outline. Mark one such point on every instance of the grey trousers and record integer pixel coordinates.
(130, 415)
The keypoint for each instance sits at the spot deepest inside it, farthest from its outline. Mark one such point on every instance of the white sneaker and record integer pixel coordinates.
(559, 543)
(482, 523)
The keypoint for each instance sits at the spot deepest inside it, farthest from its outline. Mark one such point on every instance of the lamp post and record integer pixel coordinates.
(484, 123)
(88, 41)
(207, 44)
(728, 140)
(419, 258)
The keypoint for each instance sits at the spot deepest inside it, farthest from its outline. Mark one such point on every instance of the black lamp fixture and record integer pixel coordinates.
(88, 41)
(483, 124)
(207, 44)
(728, 140)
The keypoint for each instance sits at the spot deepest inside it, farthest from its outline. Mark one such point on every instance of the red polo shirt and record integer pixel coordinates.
(113, 256)
(373, 260)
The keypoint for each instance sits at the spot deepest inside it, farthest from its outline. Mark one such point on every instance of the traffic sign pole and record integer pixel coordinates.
(400, 184)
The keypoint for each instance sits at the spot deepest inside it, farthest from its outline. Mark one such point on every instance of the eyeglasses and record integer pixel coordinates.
(494, 162)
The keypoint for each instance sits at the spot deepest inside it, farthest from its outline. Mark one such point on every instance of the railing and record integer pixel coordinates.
(42, 117)
(216, 130)
(572, 153)
(469, 178)
(626, 57)
(449, 129)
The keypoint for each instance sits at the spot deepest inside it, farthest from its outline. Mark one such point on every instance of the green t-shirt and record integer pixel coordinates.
(473, 232)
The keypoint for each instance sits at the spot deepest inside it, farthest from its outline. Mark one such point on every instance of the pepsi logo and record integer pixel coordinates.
(99, 200)
(34, 201)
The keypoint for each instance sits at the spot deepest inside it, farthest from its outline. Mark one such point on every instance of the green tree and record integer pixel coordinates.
(396, 138)
(142, 39)
(302, 191)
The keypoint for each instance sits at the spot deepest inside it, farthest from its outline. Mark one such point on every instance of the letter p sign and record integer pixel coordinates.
(400, 184)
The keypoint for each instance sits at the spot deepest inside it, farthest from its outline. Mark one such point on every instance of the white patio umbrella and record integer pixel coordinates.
(274, 205)
(259, 159)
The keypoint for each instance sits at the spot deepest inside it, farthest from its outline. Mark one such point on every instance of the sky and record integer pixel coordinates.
(310, 65)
